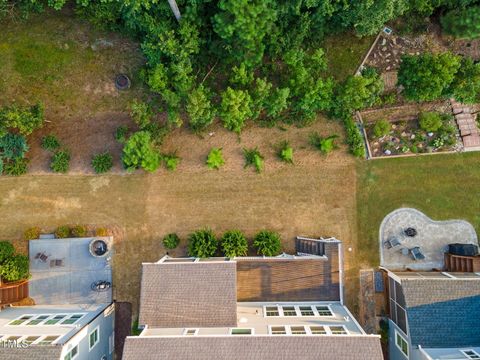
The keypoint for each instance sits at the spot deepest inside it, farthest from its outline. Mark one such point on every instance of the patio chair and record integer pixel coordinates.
(416, 253)
(56, 263)
(41, 256)
(392, 242)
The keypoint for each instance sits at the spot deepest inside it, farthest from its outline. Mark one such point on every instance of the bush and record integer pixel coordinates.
(171, 241)
(285, 152)
(15, 268)
(13, 146)
(200, 109)
(466, 85)
(267, 243)
(235, 109)
(25, 119)
(462, 23)
(325, 144)
(141, 113)
(253, 158)
(79, 231)
(50, 143)
(60, 161)
(381, 128)
(121, 134)
(354, 137)
(139, 152)
(62, 232)
(234, 243)
(101, 231)
(202, 244)
(428, 76)
(16, 167)
(32, 233)
(430, 121)
(102, 163)
(171, 161)
(6, 251)
(215, 159)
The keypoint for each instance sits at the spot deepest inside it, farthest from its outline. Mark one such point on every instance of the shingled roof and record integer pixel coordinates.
(188, 294)
(37, 352)
(365, 347)
(443, 312)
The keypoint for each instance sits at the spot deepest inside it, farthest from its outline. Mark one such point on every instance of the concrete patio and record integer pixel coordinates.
(69, 280)
(432, 237)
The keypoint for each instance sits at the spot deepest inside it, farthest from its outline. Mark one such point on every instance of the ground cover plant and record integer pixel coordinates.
(50, 143)
(102, 163)
(285, 152)
(215, 159)
(254, 159)
(171, 241)
(323, 144)
(60, 161)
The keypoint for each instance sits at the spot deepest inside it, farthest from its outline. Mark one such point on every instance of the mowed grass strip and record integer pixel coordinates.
(442, 186)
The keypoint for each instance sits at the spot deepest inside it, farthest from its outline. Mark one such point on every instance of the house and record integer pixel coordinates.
(57, 332)
(250, 308)
(72, 315)
(434, 315)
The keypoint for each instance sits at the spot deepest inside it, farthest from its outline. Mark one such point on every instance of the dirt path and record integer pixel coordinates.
(311, 200)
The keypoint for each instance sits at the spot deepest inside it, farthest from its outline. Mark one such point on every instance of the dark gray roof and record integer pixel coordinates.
(254, 348)
(33, 352)
(200, 294)
(443, 312)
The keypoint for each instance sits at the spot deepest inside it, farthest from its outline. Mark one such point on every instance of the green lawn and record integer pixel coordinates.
(442, 186)
(345, 52)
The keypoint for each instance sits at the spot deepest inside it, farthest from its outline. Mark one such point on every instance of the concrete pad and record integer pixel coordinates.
(70, 283)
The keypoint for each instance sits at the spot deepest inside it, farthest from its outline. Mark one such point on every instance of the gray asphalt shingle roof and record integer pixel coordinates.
(443, 312)
(254, 348)
(201, 294)
(33, 352)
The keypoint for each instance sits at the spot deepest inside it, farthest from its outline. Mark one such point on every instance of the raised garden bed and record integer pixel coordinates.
(405, 136)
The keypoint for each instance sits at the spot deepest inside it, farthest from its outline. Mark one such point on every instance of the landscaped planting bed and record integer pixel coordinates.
(425, 132)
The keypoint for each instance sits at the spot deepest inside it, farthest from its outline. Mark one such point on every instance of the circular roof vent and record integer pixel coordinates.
(98, 248)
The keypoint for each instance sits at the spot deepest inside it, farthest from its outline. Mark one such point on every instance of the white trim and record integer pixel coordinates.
(185, 331)
(448, 275)
(257, 335)
(97, 329)
(298, 312)
(397, 333)
(22, 337)
(252, 331)
(308, 331)
(424, 353)
(352, 318)
(340, 270)
(463, 351)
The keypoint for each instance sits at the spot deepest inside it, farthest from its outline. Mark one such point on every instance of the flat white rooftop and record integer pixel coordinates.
(263, 318)
(63, 321)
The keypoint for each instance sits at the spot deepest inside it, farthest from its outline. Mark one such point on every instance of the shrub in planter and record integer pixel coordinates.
(60, 161)
(79, 231)
(15, 268)
(202, 243)
(101, 231)
(267, 243)
(16, 167)
(215, 159)
(6, 251)
(50, 143)
(354, 137)
(171, 241)
(234, 243)
(381, 128)
(62, 232)
(430, 121)
(32, 233)
(102, 163)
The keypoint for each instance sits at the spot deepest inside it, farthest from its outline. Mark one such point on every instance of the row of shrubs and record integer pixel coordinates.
(13, 267)
(65, 231)
(203, 243)
(60, 161)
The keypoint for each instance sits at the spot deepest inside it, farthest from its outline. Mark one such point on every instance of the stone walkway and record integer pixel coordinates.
(432, 238)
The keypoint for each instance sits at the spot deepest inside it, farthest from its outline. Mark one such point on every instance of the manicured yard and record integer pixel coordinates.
(442, 186)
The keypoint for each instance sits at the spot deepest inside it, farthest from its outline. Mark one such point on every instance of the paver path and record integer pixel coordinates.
(433, 238)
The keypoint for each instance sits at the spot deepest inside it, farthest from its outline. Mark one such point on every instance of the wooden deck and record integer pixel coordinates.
(458, 263)
(13, 292)
(299, 279)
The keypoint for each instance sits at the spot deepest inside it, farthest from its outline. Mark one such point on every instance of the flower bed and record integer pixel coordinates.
(427, 132)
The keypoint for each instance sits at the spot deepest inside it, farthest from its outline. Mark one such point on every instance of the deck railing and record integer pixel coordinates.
(13, 292)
